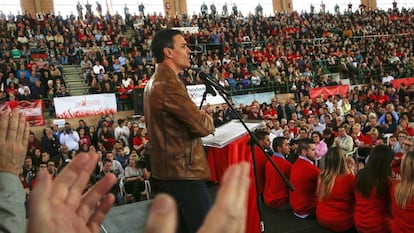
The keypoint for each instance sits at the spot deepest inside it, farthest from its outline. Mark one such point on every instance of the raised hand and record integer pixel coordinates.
(61, 206)
(228, 215)
(14, 137)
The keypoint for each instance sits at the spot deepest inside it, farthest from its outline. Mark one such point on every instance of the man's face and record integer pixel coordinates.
(28, 163)
(285, 147)
(265, 142)
(180, 53)
(110, 156)
(43, 168)
(51, 166)
(310, 153)
(341, 132)
(107, 167)
(303, 134)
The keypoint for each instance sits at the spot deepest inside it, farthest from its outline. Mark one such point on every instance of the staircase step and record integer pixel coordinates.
(76, 85)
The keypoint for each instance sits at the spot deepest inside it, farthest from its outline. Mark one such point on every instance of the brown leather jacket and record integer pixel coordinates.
(175, 126)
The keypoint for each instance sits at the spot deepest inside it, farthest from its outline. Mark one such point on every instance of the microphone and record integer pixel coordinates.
(209, 82)
(210, 90)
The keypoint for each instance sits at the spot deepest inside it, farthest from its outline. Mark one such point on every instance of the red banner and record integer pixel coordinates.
(329, 90)
(407, 81)
(32, 109)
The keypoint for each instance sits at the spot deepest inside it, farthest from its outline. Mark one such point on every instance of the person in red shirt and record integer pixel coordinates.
(276, 193)
(372, 189)
(402, 198)
(335, 209)
(261, 158)
(304, 177)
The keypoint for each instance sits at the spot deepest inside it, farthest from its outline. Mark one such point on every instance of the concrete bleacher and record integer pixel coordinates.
(74, 80)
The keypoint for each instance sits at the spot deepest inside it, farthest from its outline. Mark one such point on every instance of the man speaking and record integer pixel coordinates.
(175, 127)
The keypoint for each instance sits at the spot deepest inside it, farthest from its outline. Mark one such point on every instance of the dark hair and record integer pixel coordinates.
(260, 134)
(277, 142)
(163, 39)
(304, 144)
(376, 172)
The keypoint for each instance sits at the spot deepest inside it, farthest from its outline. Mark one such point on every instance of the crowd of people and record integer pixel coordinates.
(287, 51)
(68, 202)
(368, 131)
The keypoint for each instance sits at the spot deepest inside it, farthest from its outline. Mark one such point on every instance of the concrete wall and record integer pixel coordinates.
(35, 6)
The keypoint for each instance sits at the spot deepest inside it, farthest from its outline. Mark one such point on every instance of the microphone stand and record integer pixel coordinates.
(204, 99)
(255, 142)
(209, 90)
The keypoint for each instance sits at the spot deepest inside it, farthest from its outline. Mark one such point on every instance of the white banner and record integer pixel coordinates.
(85, 105)
(196, 94)
(191, 30)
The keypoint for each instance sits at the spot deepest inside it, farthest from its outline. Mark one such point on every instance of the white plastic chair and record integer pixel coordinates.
(147, 190)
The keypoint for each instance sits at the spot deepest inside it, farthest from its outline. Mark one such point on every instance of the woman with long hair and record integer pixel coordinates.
(402, 197)
(335, 208)
(390, 124)
(372, 189)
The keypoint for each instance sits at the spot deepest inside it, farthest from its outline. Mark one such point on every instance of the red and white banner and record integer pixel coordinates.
(32, 109)
(196, 94)
(85, 105)
(341, 90)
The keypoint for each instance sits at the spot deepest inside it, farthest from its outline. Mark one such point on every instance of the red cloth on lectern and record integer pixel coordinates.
(220, 159)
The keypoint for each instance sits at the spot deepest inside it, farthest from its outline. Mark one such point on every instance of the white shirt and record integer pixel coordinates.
(96, 69)
(70, 140)
(122, 133)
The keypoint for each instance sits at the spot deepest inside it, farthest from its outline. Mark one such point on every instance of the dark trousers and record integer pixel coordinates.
(135, 188)
(193, 201)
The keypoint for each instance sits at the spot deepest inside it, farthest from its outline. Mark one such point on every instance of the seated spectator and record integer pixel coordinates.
(334, 210)
(121, 131)
(135, 174)
(107, 169)
(407, 146)
(62, 92)
(95, 87)
(372, 188)
(116, 168)
(276, 193)
(219, 119)
(139, 139)
(54, 71)
(107, 137)
(83, 138)
(390, 124)
(321, 148)
(402, 198)
(404, 127)
(69, 137)
(304, 177)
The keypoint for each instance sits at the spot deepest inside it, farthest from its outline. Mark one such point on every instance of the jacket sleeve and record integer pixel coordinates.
(12, 209)
(178, 103)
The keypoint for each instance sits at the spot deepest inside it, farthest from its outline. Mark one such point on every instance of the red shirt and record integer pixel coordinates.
(372, 214)
(403, 220)
(261, 161)
(336, 212)
(304, 177)
(276, 193)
